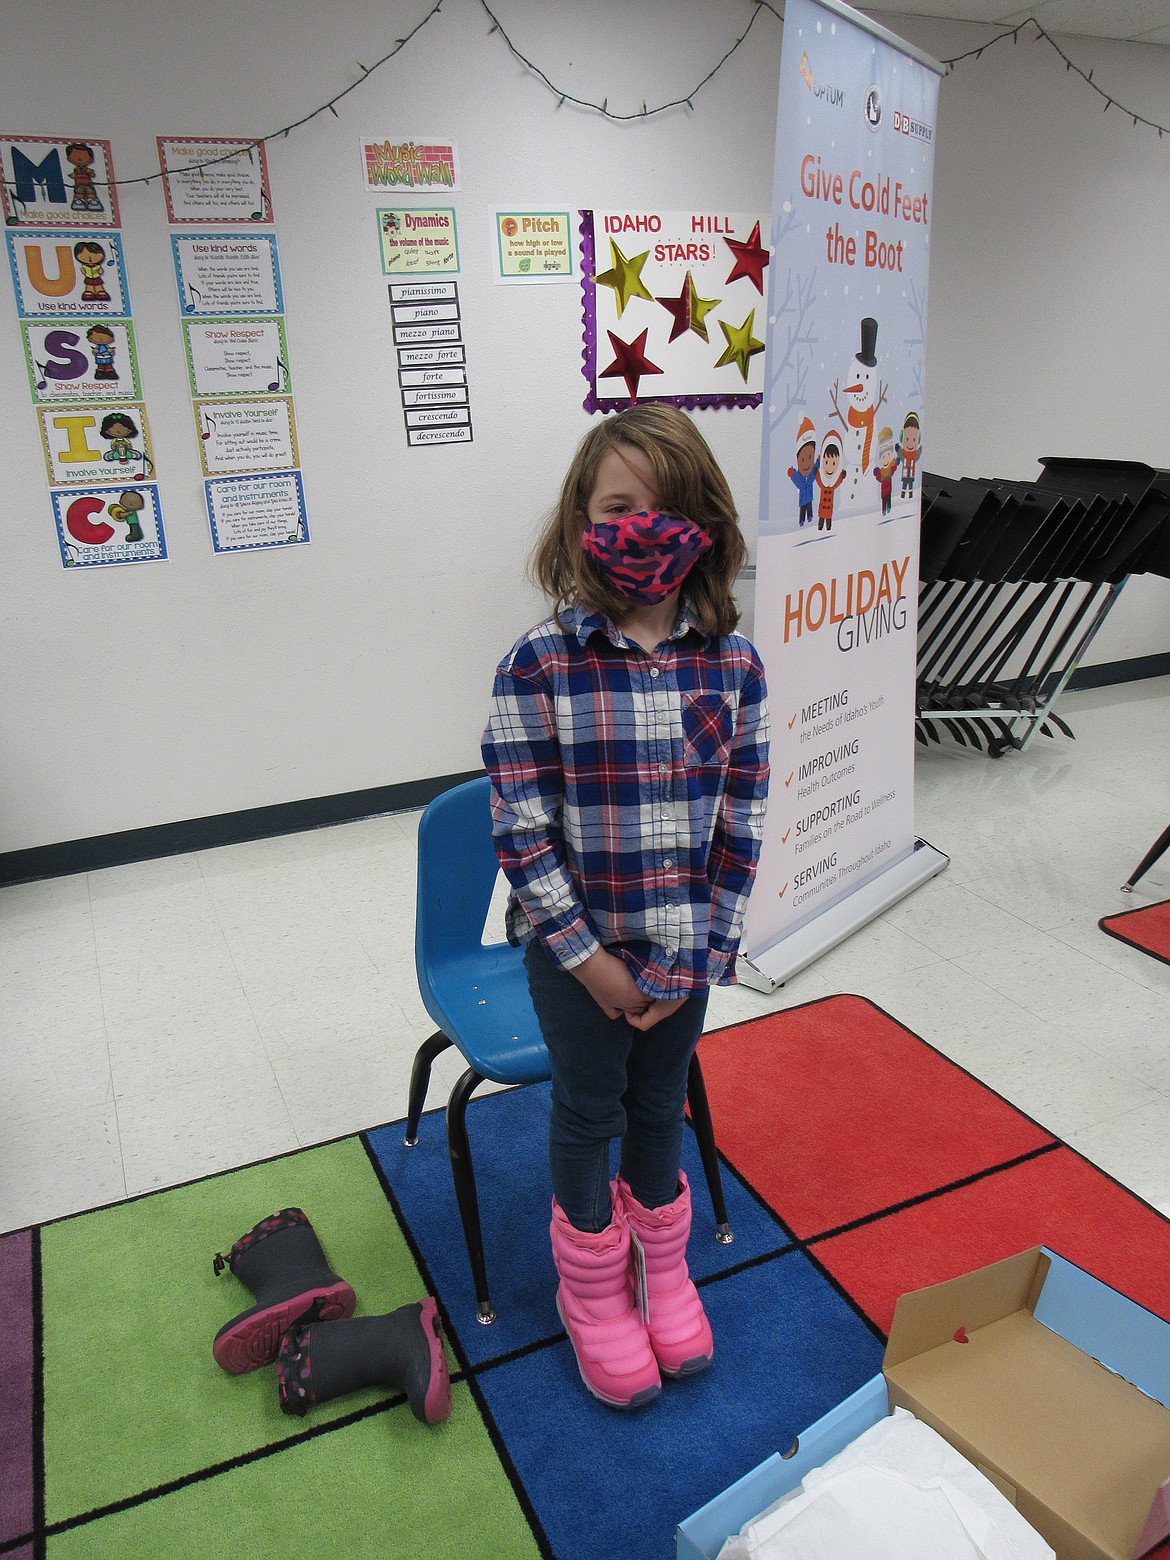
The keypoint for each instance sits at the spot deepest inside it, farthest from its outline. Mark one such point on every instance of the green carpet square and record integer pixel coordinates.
(132, 1396)
(384, 1486)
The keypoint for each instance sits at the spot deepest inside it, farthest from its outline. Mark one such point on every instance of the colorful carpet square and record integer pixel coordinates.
(509, 1146)
(858, 1162)
(788, 1347)
(17, 1396)
(833, 1112)
(1056, 1199)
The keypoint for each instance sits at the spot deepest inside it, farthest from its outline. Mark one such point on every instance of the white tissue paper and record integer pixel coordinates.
(899, 1492)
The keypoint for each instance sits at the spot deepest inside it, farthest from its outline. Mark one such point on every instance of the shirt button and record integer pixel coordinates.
(668, 862)
(663, 769)
(655, 671)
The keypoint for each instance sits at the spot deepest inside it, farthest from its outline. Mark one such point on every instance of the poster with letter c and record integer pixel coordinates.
(844, 429)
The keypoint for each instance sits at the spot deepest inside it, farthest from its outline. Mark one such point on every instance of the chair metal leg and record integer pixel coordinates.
(701, 1119)
(463, 1173)
(420, 1077)
(1158, 848)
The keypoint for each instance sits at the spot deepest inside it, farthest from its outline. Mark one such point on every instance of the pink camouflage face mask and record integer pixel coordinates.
(645, 556)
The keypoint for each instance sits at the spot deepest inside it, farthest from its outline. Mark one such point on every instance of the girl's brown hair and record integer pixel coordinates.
(687, 481)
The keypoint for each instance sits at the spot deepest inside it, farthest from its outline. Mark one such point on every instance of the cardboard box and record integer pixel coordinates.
(1053, 1384)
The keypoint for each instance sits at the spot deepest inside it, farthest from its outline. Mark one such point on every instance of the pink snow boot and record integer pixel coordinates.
(680, 1334)
(596, 1301)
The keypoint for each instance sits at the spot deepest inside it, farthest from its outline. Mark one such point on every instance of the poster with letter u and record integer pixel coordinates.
(845, 426)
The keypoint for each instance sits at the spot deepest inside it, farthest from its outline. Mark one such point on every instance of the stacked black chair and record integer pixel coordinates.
(1015, 580)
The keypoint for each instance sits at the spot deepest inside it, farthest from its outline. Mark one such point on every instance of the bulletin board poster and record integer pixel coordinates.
(246, 435)
(104, 524)
(57, 181)
(67, 272)
(212, 179)
(673, 307)
(533, 246)
(237, 356)
(843, 433)
(252, 512)
(84, 443)
(227, 273)
(418, 240)
(81, 360)
(409, 164)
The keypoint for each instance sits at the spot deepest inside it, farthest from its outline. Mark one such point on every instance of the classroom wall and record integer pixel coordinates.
(211, 683)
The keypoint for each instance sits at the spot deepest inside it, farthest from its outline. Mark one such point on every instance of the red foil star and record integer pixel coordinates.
(688, 310)
(750, 259)
(630, 363)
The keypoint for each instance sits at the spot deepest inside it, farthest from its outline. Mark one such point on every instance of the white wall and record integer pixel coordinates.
(209, 683)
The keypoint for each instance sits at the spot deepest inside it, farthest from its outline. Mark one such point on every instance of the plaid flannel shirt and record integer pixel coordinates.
(628, 794)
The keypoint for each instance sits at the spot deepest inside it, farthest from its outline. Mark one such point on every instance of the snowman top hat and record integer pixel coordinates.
(869, 330)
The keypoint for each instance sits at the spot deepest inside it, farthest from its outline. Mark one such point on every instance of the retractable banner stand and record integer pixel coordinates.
(845, 425)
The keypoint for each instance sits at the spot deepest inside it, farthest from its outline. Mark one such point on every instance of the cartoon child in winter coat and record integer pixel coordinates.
(909, 452)
(830, 474)
(886, 466)
(803, 474)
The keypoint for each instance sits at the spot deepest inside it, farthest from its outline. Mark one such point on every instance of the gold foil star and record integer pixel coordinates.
(625, 277)
(741, 347)
(700, 308)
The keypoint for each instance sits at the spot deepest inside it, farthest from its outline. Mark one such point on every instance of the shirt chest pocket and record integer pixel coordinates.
(708, 721)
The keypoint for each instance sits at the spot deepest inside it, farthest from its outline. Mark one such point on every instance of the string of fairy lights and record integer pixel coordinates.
(1030, 27)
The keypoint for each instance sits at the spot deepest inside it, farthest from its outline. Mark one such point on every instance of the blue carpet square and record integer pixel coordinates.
(605, 1483)
(508, 1132)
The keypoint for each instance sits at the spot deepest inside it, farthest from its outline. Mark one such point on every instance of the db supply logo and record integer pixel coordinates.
(873, 108)
(906, 124)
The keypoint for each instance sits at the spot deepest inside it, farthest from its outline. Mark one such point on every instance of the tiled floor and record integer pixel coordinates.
(167, 1019)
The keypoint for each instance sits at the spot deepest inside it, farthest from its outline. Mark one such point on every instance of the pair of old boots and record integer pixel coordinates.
(303, 1321)
(622, 1358)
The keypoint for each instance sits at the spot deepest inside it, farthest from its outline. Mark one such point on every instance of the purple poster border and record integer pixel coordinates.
(592, 402)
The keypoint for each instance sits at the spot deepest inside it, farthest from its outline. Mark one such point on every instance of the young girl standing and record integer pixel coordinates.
(627, 747)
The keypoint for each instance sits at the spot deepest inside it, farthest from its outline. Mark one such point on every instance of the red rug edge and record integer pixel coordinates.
(1108, 926)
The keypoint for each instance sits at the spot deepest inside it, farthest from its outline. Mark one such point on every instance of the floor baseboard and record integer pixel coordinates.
(253, 823)
(1109, 672)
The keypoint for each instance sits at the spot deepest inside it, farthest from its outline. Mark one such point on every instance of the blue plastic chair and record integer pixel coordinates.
(478, 997)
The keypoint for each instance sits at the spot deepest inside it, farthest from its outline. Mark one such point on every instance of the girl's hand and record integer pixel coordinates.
(659, 1009)
(610, 984)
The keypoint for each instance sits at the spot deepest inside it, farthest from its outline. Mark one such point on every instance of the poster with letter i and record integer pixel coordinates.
(845, 423)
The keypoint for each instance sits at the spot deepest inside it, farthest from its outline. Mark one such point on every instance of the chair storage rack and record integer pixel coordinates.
(1016, 580)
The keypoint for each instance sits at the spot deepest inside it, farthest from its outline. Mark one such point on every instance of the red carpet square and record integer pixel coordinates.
(1057, 1199)
(833, 1111)
(1147, 929)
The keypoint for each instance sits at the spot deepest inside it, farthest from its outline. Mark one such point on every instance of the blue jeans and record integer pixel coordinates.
(610, 1080)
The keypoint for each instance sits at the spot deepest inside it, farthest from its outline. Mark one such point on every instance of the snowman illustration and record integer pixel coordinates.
(862, 393)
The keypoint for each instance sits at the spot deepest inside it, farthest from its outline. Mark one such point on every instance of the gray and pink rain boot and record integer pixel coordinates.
(282, 1263)
(595, 1299)
(404, 1349)
(680, 1334)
